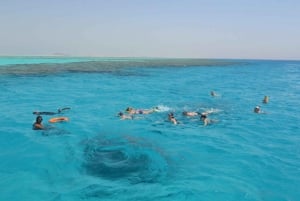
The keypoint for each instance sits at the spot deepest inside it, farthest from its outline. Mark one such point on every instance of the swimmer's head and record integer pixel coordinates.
(128, 109)
(39, 119)
(203, 116)
(266, 99)
(184, 113)
(257, 109)
(120, 114)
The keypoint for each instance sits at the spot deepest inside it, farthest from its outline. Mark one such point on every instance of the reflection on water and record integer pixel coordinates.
(121, 158)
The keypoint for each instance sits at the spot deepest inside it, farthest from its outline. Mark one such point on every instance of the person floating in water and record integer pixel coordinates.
(131, 110)
(172, 118)
(60, 110)
(190, 114)
(205, 119)
(212, 93)
(266, 99)
(123, 116)
(38, 123)
(258, 110)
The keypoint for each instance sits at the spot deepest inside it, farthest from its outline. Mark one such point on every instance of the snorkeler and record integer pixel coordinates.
(60, 110)
(266, 99)
(212, 93)
(190, 114)
(123, 116)
(38, 123)
(258, 110)
(131, 110)
(205, 119)
(172, 118)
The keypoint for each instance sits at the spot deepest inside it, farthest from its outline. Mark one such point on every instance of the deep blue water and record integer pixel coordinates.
(97, 156)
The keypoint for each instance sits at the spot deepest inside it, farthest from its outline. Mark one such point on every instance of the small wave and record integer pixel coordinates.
(211, 110)
(163, 108)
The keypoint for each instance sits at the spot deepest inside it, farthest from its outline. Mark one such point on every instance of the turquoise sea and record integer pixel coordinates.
(96, 156)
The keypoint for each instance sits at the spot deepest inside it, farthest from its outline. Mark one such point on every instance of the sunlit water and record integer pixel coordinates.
(97, 156)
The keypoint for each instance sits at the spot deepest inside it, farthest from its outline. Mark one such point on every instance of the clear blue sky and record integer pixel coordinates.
(268, 29)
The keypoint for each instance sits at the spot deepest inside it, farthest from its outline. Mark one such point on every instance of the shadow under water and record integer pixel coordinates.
(124, 158)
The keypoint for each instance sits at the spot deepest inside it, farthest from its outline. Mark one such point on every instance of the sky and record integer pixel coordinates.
(242, 29)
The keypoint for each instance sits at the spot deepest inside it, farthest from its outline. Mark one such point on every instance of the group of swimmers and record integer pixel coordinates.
(130, 112)
(203, 116)
(257, 108)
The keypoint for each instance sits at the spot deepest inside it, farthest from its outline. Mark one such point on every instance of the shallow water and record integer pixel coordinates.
(97, 156)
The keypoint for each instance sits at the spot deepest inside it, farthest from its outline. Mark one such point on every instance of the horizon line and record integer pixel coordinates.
(150, 57)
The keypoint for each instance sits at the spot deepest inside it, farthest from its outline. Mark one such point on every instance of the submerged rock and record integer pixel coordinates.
(123, 159)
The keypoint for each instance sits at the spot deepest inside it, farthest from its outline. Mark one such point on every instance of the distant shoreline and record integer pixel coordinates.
(137, 58)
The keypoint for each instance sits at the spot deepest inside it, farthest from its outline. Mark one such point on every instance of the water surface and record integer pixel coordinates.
(97, 156)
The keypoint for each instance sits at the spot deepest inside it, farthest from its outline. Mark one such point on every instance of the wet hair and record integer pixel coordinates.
(203, 116)
(184, 113)
(257, 109)
(39, 119)
(120, 113)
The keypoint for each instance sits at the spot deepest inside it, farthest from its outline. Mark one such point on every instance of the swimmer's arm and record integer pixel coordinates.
(38, 127)
(175, 121)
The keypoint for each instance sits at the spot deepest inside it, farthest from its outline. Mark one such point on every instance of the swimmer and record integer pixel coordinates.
(190, 114)
(266, 99)
(51, 113)
(205, 119)
(172, 118)
(38, 123)
(131, 110)
(123, 116)
(214, 94)
(258, 110)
